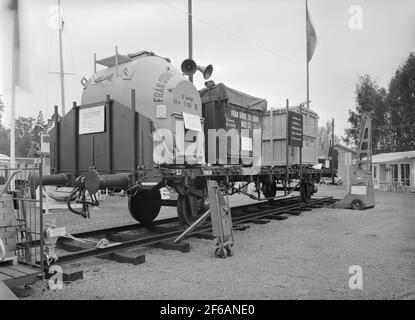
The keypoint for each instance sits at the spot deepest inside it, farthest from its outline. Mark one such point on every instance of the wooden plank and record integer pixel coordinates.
(23, 269)
(21, 281)
(3, 277)
(12, 273)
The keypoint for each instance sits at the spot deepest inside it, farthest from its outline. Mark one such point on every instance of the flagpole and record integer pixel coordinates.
(190, 30)
(15, 52)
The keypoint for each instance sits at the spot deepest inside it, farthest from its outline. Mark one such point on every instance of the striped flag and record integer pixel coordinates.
(311, 36)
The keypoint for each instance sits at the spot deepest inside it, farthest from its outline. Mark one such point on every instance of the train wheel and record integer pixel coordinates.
(190, 208)
(269, 189)
(145, 205)
(306, 190)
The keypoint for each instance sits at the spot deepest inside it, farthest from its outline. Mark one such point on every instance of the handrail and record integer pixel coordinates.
(3, 190)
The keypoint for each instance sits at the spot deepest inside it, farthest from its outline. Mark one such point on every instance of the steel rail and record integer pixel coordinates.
(156, 238)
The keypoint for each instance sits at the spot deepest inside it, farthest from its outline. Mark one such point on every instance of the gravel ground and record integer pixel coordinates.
(303, 257)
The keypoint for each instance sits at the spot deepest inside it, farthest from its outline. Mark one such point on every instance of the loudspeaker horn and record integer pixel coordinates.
(206, 71)
(188, 67)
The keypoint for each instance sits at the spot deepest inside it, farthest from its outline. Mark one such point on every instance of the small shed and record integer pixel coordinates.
(341, 160)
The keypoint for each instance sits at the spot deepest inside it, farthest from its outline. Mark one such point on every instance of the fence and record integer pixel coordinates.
(27, 224)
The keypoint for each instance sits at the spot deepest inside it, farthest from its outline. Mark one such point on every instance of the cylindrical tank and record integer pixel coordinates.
(161, 89)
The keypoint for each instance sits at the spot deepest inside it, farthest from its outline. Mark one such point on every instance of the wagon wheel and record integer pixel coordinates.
(269, 189)
(145, 205)
(306, 190)
(191, 206)
(221, 252)
(357, 204)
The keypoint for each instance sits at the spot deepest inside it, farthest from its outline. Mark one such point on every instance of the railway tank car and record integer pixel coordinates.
(112, 140)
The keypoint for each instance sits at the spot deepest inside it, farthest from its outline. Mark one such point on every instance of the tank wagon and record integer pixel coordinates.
(142, 126)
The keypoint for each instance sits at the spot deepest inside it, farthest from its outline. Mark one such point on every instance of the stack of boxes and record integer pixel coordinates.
(8, 225)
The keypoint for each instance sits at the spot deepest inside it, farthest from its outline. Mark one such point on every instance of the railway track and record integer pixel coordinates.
(168, 229)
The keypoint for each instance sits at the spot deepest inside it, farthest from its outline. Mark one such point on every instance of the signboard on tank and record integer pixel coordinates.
(192, 122)
(92, 120)
(295, 129)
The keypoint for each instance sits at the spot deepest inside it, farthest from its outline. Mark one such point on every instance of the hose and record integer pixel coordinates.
(74, 191)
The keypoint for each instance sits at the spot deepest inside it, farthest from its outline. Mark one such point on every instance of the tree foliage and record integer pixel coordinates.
(4, 133)
(28, 131)
(392, 111)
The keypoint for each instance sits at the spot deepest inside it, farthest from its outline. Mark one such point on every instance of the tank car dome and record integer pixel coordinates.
(161, 89)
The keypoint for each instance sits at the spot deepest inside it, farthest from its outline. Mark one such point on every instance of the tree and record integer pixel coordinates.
(393, 112)
(401, 100)
(28, 130)
(4, 133)
(372, 99)
(1, 108)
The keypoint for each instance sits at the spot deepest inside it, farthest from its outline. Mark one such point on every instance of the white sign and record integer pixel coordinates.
(358, 190)
(161, 111)
(92, 120)
(44, 143)
(246, 143)
(192, 122)
(56, 232)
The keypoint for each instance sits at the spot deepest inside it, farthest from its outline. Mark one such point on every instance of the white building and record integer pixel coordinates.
(394, 171)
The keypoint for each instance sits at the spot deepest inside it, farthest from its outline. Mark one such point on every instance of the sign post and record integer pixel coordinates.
(295, 129)
(294, 132)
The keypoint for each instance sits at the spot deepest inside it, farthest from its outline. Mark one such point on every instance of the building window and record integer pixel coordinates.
(405, 177)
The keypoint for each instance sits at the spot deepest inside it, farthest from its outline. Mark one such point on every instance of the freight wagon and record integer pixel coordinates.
(275, 138)
(140, 128)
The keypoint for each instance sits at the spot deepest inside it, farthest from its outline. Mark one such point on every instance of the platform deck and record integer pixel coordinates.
(18, 275)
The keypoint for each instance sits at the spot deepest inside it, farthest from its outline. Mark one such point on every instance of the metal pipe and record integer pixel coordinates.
(193, 226)
(42, 256)
(3, 190)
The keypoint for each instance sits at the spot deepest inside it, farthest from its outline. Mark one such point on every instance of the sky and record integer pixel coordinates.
(255, 46)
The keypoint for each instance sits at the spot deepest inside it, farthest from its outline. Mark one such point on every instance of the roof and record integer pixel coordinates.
(222, 92)
(393, 156)
(111, 61)
(340, 146)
